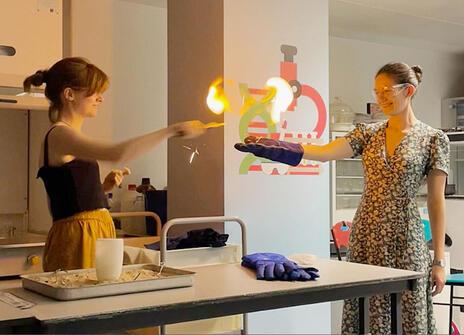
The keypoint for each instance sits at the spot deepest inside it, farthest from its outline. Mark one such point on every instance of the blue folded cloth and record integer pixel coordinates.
(198, 238)
(272, 266)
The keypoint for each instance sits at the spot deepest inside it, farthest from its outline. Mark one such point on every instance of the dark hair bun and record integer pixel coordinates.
(37, 79)
(418, 71)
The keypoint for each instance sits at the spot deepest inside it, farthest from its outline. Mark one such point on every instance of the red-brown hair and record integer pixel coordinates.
(73, 72)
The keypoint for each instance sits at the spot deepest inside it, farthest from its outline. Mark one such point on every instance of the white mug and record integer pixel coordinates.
(108, 258)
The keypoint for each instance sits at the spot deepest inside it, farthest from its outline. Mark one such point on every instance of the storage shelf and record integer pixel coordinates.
(348, 159)
(347, 184)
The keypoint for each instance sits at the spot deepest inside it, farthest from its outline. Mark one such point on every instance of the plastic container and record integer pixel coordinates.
(341, 115)
(109, 198)
(145, 186)
(131, 201)
(108, 258)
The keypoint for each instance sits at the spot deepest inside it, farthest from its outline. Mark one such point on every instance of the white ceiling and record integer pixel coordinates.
(428, 24)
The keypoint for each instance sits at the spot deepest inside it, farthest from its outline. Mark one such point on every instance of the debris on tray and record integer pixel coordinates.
(64, 279)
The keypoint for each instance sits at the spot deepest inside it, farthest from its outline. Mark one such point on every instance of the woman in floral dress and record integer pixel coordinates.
(398, 156)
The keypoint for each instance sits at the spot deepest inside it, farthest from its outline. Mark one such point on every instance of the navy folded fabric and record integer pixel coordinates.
(198, 238)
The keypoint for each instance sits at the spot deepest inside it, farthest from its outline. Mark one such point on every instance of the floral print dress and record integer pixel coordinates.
(387, 228)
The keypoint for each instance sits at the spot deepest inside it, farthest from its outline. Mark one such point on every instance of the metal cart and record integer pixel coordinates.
(201, 220)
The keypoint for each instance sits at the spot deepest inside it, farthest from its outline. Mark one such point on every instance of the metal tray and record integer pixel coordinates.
(172, 278)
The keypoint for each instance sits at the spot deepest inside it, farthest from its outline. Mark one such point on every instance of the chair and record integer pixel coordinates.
(455, 279)
(452, 280)
(341, 236)
(427, 230)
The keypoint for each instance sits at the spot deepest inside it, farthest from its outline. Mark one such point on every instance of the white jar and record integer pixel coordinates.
(132, 201)
(341, 115)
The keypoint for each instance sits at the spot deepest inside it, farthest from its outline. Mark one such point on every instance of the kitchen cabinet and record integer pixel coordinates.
(31, 35)
(456, 173)
(347, 186)
(14, 157)
(349, 183)
(23, 199)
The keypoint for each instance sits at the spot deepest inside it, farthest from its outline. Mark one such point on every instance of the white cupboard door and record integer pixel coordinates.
(14, 165)
(31, 35)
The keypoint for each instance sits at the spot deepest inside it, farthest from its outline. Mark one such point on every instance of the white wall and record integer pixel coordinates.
(92, 38)
(128, 40)
(140, 82)
(285, 213)
(353, 64)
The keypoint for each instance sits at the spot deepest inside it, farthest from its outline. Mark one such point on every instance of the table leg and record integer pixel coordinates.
(396, 322)
(244, 331)
(363, 315)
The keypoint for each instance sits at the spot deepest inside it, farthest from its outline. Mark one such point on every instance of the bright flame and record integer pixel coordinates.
(216, 99)
(214, 125)
(283, 96)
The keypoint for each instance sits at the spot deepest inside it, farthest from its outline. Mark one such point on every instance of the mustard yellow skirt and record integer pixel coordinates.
(71, 242)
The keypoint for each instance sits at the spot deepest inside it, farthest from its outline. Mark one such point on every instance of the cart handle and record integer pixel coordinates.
(205, 219)
(138, 214)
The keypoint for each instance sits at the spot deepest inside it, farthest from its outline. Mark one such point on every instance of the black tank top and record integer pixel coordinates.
(72, 187)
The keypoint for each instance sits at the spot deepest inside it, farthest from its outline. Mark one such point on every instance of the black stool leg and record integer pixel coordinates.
(450, 329)
(363, 303)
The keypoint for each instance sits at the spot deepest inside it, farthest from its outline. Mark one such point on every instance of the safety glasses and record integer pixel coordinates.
(388, 91)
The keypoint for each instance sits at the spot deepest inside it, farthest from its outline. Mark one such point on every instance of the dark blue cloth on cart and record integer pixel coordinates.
(198, 238)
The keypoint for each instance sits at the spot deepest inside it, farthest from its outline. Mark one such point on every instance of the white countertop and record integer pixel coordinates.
(20, 239)
(9, 313)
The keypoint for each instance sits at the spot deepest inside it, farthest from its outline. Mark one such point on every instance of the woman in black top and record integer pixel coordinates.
(69, 168)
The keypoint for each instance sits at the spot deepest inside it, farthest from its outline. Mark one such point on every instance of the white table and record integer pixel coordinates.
(218, 290)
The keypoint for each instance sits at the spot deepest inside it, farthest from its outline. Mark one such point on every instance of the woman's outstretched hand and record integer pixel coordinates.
(115, 178)
(188, 129)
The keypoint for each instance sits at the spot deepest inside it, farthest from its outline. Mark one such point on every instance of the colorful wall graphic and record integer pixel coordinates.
(256, 120)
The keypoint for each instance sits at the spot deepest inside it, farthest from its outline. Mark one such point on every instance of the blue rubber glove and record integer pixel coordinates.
(269, 266)
(302, 274)
(279, 151)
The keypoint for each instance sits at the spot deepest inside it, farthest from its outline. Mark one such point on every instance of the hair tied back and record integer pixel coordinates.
(418, 72)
